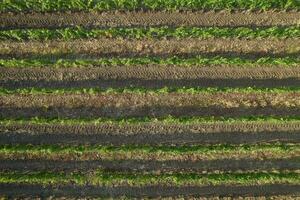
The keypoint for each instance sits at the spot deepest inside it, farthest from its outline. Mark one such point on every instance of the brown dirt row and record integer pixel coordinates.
(134, 100)
(247, 197)
(150, 77)
(142, 155)
(152, 47)
(147, 73)
(154, 128)
(145, 111)
(128, 19)
(154, 84)
(21, 190)
(226, 165)
(278, 197)
(148, 138)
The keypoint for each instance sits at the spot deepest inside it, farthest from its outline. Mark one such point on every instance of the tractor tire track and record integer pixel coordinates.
(226, 165)
(154, 84)
(149, 77)
(148, 138)
(242, 127)
(145, 111)
(127, 99)
(151, 47)
(19, 190)
(146, 73)
(133, 19)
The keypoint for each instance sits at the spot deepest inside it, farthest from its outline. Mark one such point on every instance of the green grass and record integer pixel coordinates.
(57, 5)
(145, 152)
(152, 32)
(174, 60)
(102, 178)
(167, 120)
(145, 148)
(141, 90)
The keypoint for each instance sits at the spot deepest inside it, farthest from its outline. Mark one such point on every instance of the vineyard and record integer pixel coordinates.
(141, 99)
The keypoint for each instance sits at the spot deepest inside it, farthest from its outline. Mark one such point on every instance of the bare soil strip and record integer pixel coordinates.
(248, 197)
(155, 128)
(149, 77)
(155, 84)
(148, 138)
(130, 19)
(152, 47)
(227, 165)
(135, 100)
(18, 190)
(147, 73)
(154, 105)
(145, 111)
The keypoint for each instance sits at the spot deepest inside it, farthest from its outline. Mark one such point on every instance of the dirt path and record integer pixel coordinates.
(152, 47)
(14, 190)
(147, 73)
(228, 165)
(128, 19)
(155, 84)
(135, 100)
(149, 139)
(150, 77)
(152, 133)
(154, 128)
(151, 105)
(146, 111)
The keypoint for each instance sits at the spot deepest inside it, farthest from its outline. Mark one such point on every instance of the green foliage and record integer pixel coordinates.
(138, 120)
(202, 149)
(86, 5)
(134, 61)
(152, 32)
(141, 90)
(137, 179)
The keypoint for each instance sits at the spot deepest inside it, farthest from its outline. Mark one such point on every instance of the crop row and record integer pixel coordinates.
(174, 60)
(141, 90)
(145, 152)
(56, 5)
(177, 179)
(279, 148)
(168, 119)
(152, 32)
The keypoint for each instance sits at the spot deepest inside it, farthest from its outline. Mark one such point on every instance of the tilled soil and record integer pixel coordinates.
(154, 105)
(226, 165)
(154, 128)
(149, 139)
(152, 47)
(146, 111)
(147, 191)
(22, 115)
(227, 99)
(152, 133)
(154, 84)
(129, 19)
(147, 73)
(150, 77)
